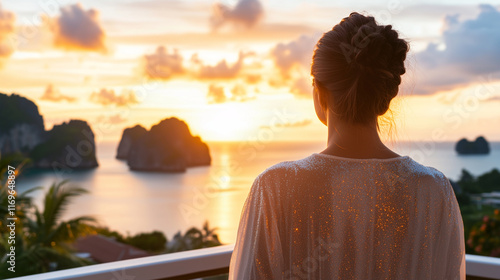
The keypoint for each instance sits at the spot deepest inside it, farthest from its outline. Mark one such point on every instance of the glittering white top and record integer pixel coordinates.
(328, 217)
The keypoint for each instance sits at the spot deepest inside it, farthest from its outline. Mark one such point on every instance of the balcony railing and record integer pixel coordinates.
(206, 262)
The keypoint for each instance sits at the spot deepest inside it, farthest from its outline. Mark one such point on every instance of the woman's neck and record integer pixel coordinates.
(355, 140)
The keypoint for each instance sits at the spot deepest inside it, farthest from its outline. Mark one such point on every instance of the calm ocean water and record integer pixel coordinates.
(141, 201)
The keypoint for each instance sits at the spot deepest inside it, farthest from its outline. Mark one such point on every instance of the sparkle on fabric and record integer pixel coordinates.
(327, 217)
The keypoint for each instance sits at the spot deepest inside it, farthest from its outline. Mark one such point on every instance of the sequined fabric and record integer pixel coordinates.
(328, 217)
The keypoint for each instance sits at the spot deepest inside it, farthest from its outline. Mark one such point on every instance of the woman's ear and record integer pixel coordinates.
(320, 104)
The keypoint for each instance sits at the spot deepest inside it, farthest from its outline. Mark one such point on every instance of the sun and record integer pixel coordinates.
(229, 121)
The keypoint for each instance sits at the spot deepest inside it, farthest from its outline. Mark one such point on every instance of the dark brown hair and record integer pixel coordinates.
(359, 63)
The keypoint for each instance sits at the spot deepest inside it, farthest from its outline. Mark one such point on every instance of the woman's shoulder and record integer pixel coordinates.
(287, 168)
(422, 171)
(428, 177)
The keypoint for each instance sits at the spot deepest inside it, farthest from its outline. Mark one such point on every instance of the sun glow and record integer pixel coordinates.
(226, 122)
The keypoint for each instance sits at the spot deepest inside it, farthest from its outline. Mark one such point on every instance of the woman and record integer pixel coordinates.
(356, 210)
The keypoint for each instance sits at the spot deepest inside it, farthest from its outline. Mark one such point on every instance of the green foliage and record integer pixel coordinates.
(151, 242)
(42, 240)
(194, 239)
(484, 237)
(109, 233)
(487, 182)
(156, 242)
(479, 234)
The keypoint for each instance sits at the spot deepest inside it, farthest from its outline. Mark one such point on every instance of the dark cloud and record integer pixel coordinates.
(108, 97)
(7, 21)
(162, 64)
(294, 53)
(78, 29)
(245, 12)
(53, 94)
(471, 50)
(221, 70)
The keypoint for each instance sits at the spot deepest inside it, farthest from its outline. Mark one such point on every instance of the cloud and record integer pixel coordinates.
(298, 52)
(165, 65)
(246, 13)
(162, 64)
(253, 78)
(53, 94)
(293, 61)
(7, 21)
(221, 70)
(217, 94)
(302, 87)
(239, 93)
(78, 29)
(470, 51)
(269, 33)
(108, 97)
(493, 98)
(113, 119)
(301, 123)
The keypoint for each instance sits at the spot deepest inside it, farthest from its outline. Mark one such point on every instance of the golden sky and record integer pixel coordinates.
(239, 70)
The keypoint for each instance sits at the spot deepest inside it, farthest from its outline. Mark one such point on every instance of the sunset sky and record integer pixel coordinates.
(239, 70)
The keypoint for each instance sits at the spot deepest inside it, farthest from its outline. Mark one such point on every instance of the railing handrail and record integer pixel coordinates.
(482, 266)
(204, 262)
(167, 266)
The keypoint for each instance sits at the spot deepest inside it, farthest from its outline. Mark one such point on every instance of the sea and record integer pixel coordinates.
(132, 202)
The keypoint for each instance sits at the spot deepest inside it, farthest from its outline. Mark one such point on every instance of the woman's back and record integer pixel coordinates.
(357, 210)
(328, 217)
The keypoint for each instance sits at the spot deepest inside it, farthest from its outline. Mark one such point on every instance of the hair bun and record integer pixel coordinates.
(360, 63)
(374, 50)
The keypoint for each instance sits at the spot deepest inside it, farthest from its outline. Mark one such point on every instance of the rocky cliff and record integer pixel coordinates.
(68, 145)
(479, 146)
(21, 125)
(129, 136)
(168, 147)
(22, 131)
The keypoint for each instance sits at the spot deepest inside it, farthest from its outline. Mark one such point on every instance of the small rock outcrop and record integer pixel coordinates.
(129, 136)
(22, 132)
(68, 145)
(167, 147)
(479, 146)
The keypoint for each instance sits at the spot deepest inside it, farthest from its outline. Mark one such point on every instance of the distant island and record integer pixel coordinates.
(66, 146)
(479, 146)
(167, 147)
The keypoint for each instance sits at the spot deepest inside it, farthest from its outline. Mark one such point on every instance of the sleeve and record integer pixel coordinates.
(457, 246)
(452, 231)
(257, 253)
